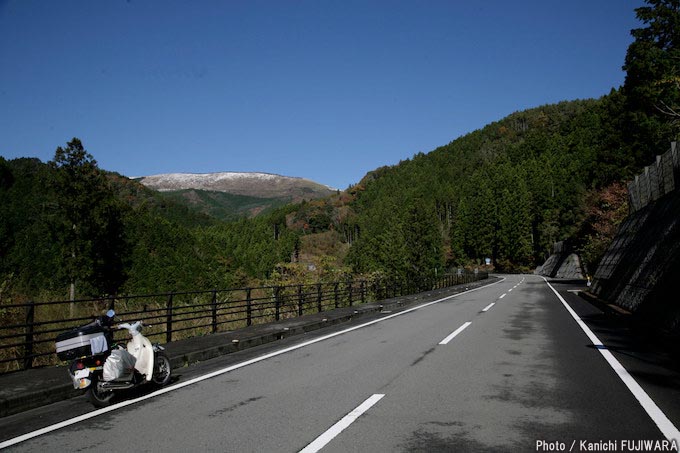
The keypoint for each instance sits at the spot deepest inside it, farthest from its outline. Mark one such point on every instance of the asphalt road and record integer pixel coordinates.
(502, 368)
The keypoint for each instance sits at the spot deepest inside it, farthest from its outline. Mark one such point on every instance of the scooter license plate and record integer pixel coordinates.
(80, 374)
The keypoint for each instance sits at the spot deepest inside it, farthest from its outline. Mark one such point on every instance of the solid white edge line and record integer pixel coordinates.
(488, 307)
(95, 413)
(332, 432)
(455, 332)
(667, 427)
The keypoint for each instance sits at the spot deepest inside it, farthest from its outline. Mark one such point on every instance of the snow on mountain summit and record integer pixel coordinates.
(264, 185)
(206, 181)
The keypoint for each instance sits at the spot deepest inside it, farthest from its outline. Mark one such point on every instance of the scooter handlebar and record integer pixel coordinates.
(134, 328)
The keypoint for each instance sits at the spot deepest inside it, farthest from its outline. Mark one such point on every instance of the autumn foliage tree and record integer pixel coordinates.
(605, 210)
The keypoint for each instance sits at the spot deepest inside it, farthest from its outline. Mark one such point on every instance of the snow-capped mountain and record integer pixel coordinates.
(262, 185)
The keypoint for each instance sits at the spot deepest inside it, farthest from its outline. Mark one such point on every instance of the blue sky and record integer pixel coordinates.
(325, 90)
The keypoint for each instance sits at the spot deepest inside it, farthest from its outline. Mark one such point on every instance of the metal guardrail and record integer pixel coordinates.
(28, 330)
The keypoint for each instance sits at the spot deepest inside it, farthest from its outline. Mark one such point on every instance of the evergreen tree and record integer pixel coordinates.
(423, 241)
(27, 249)
(88, 224)
(481, 219)
(458, 231)
(515, 222)
(652, 85)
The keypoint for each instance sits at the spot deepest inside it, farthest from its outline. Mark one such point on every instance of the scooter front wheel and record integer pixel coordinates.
(96, 396)
(162, 371)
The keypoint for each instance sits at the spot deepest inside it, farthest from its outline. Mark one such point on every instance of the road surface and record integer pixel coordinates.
(507, 367)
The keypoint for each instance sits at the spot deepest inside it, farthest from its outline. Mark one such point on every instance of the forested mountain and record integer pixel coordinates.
(505, 192)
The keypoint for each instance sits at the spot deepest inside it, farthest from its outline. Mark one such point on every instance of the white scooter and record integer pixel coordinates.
(103, 371)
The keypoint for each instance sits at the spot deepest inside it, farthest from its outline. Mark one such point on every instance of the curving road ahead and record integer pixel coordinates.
(507, 367)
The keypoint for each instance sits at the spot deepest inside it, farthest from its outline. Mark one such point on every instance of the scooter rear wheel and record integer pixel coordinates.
(162, 371)
(97, 397)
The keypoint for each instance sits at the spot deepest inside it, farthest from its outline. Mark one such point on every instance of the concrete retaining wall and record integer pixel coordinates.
(563, 263)
(643, 261)
(658, 179)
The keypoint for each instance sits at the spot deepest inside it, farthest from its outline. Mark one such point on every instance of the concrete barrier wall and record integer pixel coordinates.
(643, 262)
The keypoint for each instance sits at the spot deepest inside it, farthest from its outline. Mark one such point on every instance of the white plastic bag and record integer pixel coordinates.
(117, 364)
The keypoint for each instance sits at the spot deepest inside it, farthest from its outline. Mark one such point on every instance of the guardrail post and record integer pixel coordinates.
(349, 292)
(249, 308)
(319, 295)
(28, 347)
(214, 311)
(363, 291)
(168, 320)
(277, 302)
(300, 300)
(335, 291)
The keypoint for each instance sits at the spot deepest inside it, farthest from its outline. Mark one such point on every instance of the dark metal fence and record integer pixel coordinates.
(28, 331)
